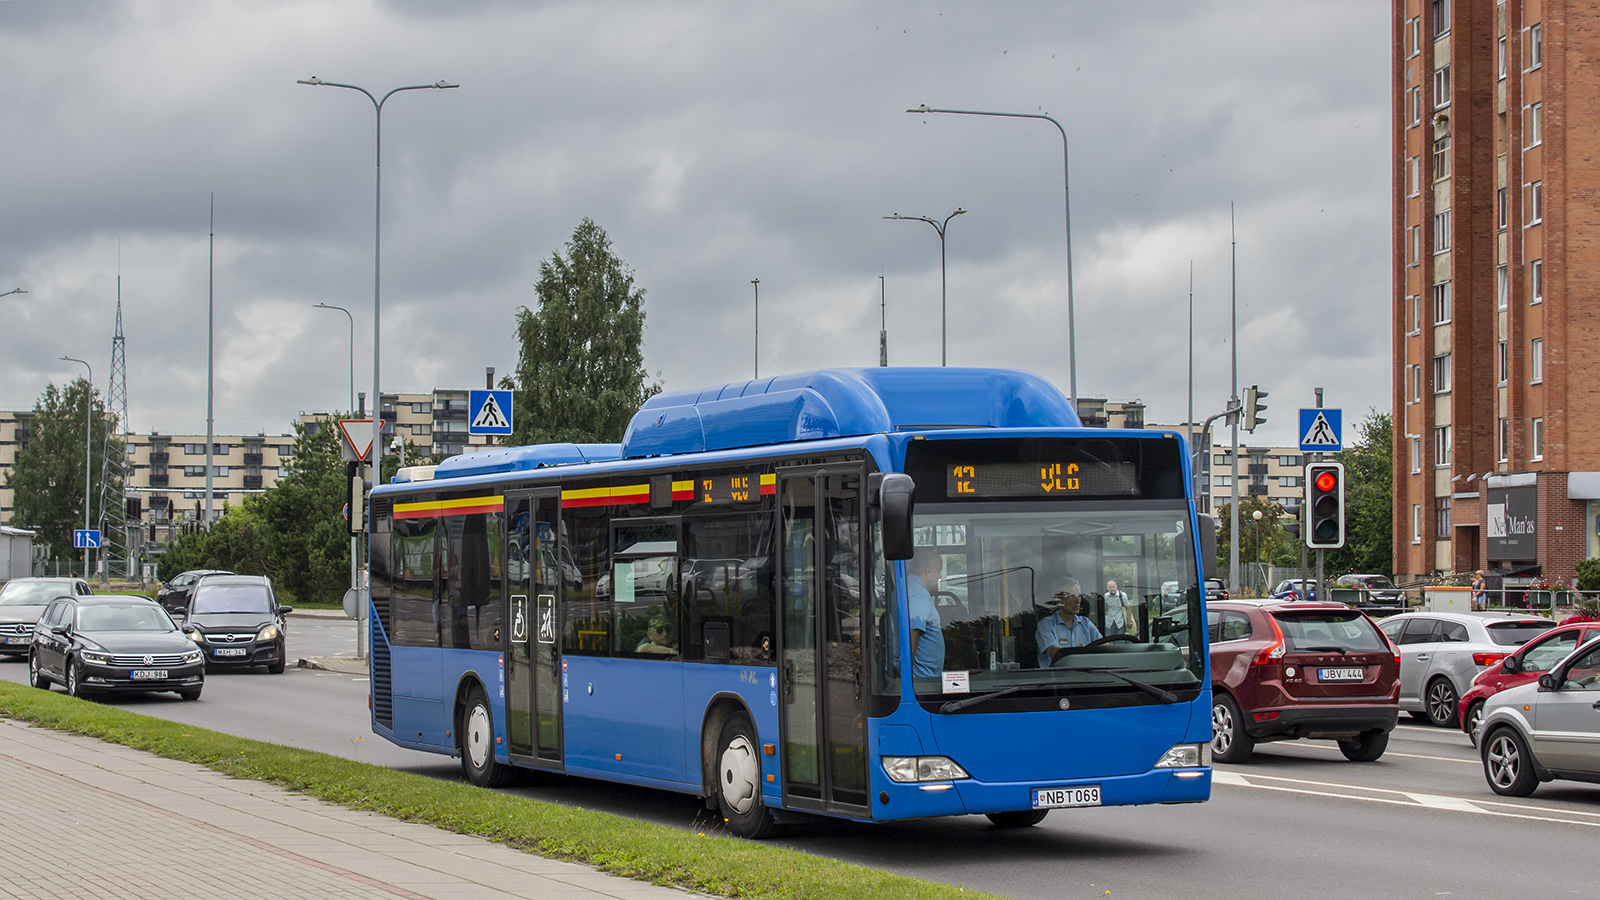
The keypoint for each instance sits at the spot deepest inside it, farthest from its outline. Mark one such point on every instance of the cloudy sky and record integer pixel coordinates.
(716, 142)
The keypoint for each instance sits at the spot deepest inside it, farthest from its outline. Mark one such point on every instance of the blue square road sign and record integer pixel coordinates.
(489, 412)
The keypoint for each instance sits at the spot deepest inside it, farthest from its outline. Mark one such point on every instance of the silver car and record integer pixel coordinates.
(1441, 652)
(1541, 732)
(21, 602)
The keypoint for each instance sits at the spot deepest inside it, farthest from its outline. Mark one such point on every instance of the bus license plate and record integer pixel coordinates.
(149, 674)
(231, 651)
(1341, 674)
(1061, 798)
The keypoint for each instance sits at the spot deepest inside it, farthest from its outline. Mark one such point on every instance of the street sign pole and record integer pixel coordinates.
(356, 447)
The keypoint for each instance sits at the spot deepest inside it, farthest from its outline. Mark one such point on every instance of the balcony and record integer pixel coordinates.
(160, 459)
(449, 415)
(1257, 468)
(158, 480)
(1258, 490)
(253, 459)
(252, 481)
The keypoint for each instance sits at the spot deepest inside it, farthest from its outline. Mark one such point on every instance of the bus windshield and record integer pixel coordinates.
(1049, 596)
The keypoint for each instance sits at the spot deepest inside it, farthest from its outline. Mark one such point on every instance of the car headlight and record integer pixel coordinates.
(193, 635)
(193, 656)
(98, 658)
(268, 633)
(1185, 756)
(922, 768)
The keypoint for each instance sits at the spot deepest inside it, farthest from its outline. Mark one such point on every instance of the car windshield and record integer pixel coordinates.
(1376, 581)
(33, 593)
(1333, 629)
(231, 598)
(1515, 634)
(1011, 584)
(123, 617)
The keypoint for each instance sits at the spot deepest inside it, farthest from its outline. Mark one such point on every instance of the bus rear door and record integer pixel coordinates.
(532, 599)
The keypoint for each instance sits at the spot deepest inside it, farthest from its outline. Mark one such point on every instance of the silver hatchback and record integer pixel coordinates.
(1441, 652)
(1540, 732)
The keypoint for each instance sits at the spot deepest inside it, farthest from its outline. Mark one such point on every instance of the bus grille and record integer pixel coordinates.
(382, 685)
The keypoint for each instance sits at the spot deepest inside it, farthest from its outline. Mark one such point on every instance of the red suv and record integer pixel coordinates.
(1531, 660)
(1283, 670)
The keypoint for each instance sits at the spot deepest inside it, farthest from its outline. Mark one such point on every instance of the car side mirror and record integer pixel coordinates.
(1547, 682)
(285, 610)
(60, 630)
(1511, 664)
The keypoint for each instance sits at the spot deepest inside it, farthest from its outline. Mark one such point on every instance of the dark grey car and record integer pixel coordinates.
(235, 620)
(113, 644)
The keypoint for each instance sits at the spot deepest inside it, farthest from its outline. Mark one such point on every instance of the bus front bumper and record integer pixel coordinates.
(968, 796)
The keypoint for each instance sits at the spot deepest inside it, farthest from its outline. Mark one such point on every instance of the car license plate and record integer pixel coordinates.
(1341, 674)
(148, 674)
(1061, 798)
(231, 651)
(19, 640)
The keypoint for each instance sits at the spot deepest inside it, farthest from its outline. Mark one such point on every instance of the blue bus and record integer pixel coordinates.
(873, 594)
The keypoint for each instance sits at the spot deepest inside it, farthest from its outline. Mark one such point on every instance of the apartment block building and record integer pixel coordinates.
(1496, 256)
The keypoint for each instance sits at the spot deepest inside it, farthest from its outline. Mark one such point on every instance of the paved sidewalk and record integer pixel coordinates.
(86, 819)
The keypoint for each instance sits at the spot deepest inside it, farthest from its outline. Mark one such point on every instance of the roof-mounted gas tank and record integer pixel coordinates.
(831, 403)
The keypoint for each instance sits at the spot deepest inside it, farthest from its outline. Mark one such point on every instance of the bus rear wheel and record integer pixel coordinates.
(738, 774)
(476, 741)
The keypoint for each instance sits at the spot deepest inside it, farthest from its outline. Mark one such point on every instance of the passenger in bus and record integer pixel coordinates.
(1065, 627)
(927, 634)
(656, 640)
(1119, 613)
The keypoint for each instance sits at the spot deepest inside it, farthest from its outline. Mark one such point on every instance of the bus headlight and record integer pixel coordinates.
(906, 769)
(1185, 756)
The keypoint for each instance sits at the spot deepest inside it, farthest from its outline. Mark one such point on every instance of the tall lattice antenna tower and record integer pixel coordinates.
(115, 535)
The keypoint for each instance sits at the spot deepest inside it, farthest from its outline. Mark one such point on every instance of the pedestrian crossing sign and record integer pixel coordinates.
(489, 412)
(1321, 430)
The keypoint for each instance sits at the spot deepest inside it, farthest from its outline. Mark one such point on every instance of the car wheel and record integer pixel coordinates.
(1441, 702)
(74, 678)
(1471, 718)
(477, 744)
(1366, 748)
(1021, 818)
(1229, 742)
(739, 781)
(277, 667)
(189, 695)
(1507, 765)
(36, 677)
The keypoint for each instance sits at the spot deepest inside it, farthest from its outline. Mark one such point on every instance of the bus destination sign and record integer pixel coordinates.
(729, 488)
(1041, 479)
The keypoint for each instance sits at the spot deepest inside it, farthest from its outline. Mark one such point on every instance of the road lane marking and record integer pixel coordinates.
(1472, 762)
(1392, 797)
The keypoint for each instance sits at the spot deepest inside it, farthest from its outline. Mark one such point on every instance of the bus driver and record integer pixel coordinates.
(927, 636)
(1064, 628)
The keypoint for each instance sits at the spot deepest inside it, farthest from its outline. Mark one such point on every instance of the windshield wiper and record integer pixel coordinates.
(1339, 650)
(958, 705)
(1164, 695)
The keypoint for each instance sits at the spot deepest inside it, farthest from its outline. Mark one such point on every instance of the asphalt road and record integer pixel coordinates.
(1297, 820)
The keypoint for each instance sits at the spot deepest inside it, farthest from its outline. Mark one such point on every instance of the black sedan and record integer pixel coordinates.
(110, 643)
(174, 595)
(236, 621)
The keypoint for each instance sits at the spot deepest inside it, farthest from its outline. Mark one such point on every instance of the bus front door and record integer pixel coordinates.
(823, 722)
(533, 658)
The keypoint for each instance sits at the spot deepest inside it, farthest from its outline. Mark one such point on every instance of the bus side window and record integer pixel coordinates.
(587, 532)
(727, 588)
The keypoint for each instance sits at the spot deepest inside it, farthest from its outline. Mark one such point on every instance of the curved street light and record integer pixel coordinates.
(1072, 334)
(88, 430)
(13, 291)
(939, 227)
(352, 319)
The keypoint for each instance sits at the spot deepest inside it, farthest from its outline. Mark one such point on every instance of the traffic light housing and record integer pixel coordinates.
(1253, 406)
(1325, 505)
(1291, 509)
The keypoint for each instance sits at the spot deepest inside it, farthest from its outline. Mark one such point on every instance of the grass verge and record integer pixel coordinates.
(656, 853)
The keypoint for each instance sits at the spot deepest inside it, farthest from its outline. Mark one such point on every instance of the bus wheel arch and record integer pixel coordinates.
(473, 720)
(730, 749)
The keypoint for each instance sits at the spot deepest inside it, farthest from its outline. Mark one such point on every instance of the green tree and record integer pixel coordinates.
(1368, 500)
(581, 373)
(47, 477)
(1265, 541)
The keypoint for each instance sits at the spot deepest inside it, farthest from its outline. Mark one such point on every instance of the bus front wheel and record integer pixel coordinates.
(476, 739)
(739, 781)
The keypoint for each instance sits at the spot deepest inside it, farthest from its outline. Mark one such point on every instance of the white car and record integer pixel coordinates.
(1441, 652)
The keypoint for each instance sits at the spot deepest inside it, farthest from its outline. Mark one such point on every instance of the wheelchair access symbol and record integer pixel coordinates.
(519, 618)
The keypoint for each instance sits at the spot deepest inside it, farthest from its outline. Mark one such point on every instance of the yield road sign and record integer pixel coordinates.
(86, 539)
(357, 434)
(1321, 430)
(489, 412)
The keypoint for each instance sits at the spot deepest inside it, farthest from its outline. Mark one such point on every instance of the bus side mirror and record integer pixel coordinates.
(896, 496)
(1208, 545)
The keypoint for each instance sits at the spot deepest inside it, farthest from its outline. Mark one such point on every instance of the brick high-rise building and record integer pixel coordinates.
(1496, 301)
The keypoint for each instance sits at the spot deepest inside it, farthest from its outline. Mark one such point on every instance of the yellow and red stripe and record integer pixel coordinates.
(465, 506)
(607, 496)
(769, 484)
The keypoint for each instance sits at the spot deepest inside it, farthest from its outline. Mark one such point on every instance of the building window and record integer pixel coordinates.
(1416, 454)
(1441, 303)
(1500, 208)
(1441, 445)
(1441, 87)
(1414, 236)
(194, 449)
(1502, 288)
(421, 430)
(1505, 439)
(1413, 303)
(1500, 54)
(1536, 361)
(1535, 125)
(1441, 374)
(1536, 281)
(1535, 46)
(1416, 523)
(1440, 13)
(1289, 481)
(1536, 439)
(1441, 515)
(194, 471)
(422, 409)
(1441, 157)
(1224, 481)
(1289, 461)
(1441, 231)
(1414, 103)
(1416, 382)
(1535, 203)
(1505, 362)
(1413, 37)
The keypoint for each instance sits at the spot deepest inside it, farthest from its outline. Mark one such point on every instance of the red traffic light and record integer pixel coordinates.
(1327, 481)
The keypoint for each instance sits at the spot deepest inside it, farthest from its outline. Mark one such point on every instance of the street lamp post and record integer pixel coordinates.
(377, 257)
(352, 349)
(756, 283)
(1256, 515)
(88, 432)
(13, 291)
(940, 227)
(1066, 193)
